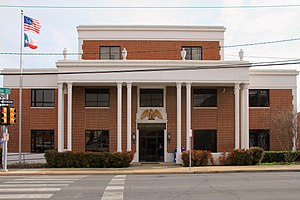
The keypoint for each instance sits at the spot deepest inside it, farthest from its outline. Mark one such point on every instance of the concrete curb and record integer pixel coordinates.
(150, 170)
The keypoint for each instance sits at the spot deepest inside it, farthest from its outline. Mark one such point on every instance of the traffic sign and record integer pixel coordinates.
(4, 90)
(5, 137)
(6, 101)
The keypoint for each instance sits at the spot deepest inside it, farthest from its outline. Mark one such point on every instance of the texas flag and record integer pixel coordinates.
(29, 41)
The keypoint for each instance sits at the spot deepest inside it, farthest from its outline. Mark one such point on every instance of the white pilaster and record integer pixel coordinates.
(129, 96)
(60, 129)
(178, 155)
(295, 120)
(70, 106)
(237, 115)
(245, 117)
(119, 118)
(188, 115)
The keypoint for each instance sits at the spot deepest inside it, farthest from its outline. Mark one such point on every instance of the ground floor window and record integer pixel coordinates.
(260, 138)
(42, 140)
(205, 140)
(97, 140)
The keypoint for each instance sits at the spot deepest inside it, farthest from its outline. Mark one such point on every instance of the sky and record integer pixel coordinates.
(58, 30)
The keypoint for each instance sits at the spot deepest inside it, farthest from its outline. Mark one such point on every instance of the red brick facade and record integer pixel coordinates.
(220, 118)
(150, 50)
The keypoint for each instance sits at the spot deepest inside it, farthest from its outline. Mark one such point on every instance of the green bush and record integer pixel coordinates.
(250, 156)
(70, 159)
(279, 156)
(198, 158)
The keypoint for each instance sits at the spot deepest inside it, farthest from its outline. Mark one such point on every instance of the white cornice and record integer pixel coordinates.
(148, 63)
(150, 28)
(271, 72)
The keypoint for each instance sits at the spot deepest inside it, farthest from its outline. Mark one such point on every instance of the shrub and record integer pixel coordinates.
(198, 158)
(279, 156)
(257, 154)
(87, 159)
(250, 156)
(239, 157)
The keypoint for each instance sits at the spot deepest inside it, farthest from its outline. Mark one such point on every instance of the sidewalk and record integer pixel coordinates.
(151, 169)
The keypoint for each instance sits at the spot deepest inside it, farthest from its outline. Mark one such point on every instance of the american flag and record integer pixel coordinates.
(31, 24)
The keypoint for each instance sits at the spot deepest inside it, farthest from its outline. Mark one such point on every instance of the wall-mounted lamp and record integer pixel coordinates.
(169, 136)
(224, 90)
(133, 136)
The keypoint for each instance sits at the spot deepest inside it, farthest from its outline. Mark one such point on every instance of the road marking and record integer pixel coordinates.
(120, 176)
(112, 196)
(115, 188)
(117, 182)
(29, 189)
(25, 196)
(34, 185)
(22, 182)
(47, 179)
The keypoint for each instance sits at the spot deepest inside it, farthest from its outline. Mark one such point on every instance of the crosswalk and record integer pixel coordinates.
(115, 188)
(35, 187)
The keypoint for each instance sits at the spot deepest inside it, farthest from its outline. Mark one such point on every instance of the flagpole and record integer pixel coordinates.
(21, 87)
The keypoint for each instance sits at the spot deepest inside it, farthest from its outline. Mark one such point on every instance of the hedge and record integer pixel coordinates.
(250, 156)
(279, 156)
(70, 159)
(198, 158)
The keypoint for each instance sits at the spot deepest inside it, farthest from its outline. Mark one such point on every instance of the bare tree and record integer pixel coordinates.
(284, 130)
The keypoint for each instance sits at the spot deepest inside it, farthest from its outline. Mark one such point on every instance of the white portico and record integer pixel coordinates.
(154, 74)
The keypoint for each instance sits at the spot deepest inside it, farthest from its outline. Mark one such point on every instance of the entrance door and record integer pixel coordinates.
(151, 145)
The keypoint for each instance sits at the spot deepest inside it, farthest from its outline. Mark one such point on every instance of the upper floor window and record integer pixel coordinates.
(97, 97)
(110, 53)
(259, 98)
(42, 98)
(151, 97)
(193, 53)
(205, 97)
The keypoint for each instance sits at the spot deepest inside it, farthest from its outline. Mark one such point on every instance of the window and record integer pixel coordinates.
(259, 98)
(97, 140)
(193, 53)
(110, 53)
(97, 97)
(205, 97)
(42, 98)
(205, 140)
(151, 98)
(42, 140)
(260, 138)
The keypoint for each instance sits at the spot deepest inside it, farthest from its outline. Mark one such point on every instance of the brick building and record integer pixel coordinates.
(147, 89)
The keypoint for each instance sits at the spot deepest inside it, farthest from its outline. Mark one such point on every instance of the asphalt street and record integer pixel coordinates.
(225, 186)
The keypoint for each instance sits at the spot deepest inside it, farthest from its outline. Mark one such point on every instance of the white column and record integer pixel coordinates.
(129, 96)
(60, 129)
(237, 115)
(245, 117)
(188, 115)
(119, 118)
(178, 155)
(295, 127)
(70, 106)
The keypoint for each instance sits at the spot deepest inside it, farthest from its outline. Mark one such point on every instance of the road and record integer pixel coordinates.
(223, 186)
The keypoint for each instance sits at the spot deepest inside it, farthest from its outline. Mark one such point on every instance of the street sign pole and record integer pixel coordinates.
(5, 141)
(190, 151)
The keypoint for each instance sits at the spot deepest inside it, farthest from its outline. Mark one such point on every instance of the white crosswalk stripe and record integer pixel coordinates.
(115, 188)
(35, 187)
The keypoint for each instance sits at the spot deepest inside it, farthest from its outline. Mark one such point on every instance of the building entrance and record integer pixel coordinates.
(151, 145)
